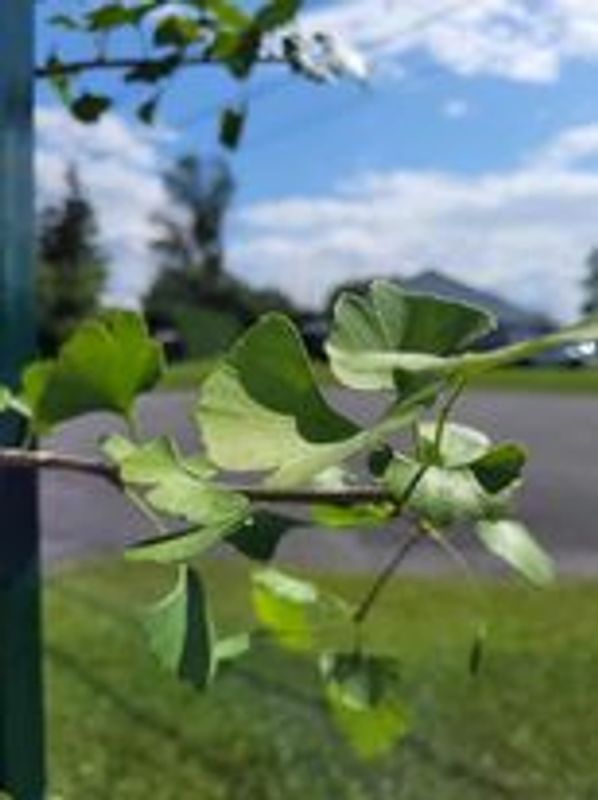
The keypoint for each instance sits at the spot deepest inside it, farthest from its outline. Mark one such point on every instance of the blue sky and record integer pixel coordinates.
(473, 149)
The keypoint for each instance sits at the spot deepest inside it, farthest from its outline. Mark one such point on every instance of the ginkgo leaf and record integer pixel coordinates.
(284, 605)
(512, 541)
(182, 488)
(363, 692)
(393, 331)
(261, 410)
(296, 612)
(500, 467)
(180, 547)
(459, 445)
(411, 330)
(107, 363)
(441, 495)
(180, 631)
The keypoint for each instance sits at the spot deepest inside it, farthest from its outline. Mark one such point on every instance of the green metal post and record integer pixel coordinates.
(21, 706)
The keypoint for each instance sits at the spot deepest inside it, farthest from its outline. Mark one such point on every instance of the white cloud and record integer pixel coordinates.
(455, 109)
(120, 168)
(521, 40)
(523, 233)
(573, 147)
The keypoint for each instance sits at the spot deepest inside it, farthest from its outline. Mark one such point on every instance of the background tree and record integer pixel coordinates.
(72, 267)
(590, 283)
(193, 292)
(191, 238)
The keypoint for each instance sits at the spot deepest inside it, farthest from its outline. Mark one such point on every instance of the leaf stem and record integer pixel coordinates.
(446, 411)
(383, 577)
(147, 512)
(133, 427)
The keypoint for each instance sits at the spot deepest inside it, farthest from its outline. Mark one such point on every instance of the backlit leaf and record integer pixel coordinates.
(104, 366)
(365, 515)
(443, 496)
(364, 695)
(511, 541)
(262, 410)
(390, 330)
(459, 444)
(285, 605)
(413, 331)
(180, 631)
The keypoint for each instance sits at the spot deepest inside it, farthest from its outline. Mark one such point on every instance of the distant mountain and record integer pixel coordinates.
(508, 313)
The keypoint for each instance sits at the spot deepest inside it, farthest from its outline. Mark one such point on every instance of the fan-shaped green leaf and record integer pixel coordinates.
(371, 342)
(104, 366)
(181, 488)
(285, 605)
(364, 695)
(511, 541)
(297, 613)
(180, 631)
(500, 467)
(443, 496)
(459, 445)
(415, 331)
(262, 410)
(181, 547)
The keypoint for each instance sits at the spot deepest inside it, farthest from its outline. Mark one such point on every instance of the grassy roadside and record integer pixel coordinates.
(556, 381)
(524, 728)
(189, 375)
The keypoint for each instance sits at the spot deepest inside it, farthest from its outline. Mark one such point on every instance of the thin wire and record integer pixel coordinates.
(301, 123)
(298, 125)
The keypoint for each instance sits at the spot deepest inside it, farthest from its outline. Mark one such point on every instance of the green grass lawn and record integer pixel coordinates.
(540, 379)
(526, 727)
(189, 375)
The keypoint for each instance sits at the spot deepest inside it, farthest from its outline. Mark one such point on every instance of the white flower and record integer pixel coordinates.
(341, 58)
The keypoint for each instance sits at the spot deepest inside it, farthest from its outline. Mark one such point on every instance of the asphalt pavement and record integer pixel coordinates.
(82, 517)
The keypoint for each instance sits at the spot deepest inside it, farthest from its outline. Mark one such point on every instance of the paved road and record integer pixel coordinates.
(560, 501)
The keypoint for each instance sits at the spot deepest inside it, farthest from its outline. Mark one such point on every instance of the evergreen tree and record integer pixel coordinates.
(191, 236)
(590, 284)
(71, 265)
(193, 293)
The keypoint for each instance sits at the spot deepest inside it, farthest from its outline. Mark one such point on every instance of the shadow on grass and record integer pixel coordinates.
(288, 701)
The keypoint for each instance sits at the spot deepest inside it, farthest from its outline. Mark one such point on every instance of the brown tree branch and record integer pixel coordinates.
(13, 458)
(117, 64)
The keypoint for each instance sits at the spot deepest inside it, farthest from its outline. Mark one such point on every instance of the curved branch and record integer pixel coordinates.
(13, 458)
(384, 576)
(116, 64)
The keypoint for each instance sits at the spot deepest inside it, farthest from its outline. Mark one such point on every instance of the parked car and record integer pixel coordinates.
(574, 356)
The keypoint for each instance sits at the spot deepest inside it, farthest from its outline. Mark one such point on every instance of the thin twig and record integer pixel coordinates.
(445, 413)
(405, 547)
(13, 458)
(115, 64)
